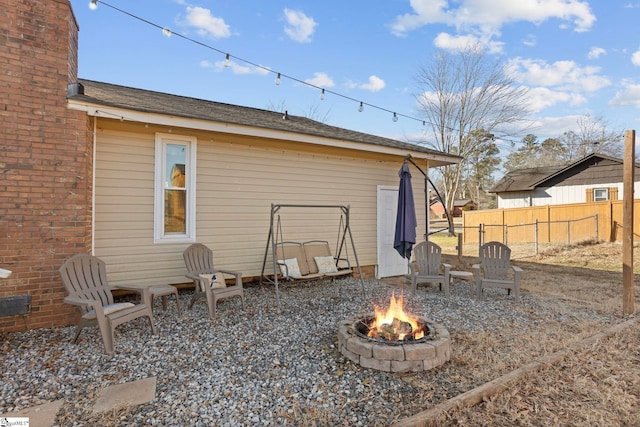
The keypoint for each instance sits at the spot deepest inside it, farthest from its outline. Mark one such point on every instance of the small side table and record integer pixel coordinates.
(462, 276)
(157, 291)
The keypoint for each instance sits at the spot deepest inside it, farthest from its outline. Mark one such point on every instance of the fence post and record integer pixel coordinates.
(505, 234)
(480, 237)
(459, 247)
(535, 237)
(568, 232)
(596, 227)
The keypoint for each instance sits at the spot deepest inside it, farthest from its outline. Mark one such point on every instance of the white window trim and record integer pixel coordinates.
(606, 192)
(162, 139)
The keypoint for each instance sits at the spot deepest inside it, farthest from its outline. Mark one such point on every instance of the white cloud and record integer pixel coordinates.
(596, 52)
(449, 42)
(206, 24)
(234, 67)
(563, 75)
(629, 96)
(488, 16)
(530, 41)
(540, 98)
(374, 84)
(635, 58)
(320, 79)
(552, 127)
(299, 26)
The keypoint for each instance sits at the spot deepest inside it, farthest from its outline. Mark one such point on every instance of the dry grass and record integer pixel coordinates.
(598, 385)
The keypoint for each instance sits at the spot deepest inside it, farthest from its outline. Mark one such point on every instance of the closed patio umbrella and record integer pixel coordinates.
(406, 222)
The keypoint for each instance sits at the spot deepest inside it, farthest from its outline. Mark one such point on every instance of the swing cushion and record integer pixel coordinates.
(326, 264)
(290, 265)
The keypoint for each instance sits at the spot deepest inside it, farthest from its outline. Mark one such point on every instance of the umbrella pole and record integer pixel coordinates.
(426, 198)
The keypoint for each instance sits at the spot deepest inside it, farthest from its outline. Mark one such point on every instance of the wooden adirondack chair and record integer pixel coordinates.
(428, 266)
(198, 259)
(495, 270)
(85, 278)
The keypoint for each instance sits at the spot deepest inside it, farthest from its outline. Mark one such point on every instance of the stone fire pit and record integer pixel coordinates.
(394, 356)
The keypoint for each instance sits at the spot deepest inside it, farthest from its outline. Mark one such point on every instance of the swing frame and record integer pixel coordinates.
(275, 232)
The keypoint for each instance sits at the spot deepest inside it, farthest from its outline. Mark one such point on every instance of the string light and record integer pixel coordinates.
(227, 61)
(167, 32)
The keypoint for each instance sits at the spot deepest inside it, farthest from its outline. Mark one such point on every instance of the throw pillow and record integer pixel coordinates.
(326, 264)
(291, 266)
(216, 280)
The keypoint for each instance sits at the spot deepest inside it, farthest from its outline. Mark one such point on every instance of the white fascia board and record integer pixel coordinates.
(207, 125)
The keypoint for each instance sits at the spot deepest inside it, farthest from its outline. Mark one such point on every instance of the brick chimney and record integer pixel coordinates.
(45, 160)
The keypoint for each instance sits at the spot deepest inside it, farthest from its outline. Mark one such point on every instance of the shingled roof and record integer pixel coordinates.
(529, 179)
(524, 179)
(146, 101)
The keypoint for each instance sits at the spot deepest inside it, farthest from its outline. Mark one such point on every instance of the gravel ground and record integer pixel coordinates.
(258, 367)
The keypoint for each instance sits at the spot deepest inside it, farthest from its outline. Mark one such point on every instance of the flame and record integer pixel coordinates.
(395, 311)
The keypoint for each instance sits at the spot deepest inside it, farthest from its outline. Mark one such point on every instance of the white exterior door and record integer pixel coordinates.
(390, 263)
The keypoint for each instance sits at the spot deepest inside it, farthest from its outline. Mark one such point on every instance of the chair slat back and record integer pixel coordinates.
(85, 276)
(495, 258)
(199, 259)
(428, 257)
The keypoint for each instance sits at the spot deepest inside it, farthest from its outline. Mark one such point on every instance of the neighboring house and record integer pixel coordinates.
(135, 176)
(437, 208)
(594, 178)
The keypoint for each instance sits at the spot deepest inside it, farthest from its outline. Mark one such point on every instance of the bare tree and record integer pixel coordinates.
(461, 92)
(592, 136)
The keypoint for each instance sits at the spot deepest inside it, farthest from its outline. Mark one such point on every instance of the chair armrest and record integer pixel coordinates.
(516, 269)
(144, 291)
(447, 267)
(342, 259)
(237, 274)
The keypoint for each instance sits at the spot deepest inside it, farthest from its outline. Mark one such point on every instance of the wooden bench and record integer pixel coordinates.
(313, 260)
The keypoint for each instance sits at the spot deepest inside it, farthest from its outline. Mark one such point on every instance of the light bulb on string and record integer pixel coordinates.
(166, 32)
(322, 95)
(395, 117)
(93, 4)
(361, 107)
(278, 80)
(227, 61)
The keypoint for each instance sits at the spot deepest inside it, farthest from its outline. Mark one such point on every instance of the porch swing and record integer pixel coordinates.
(296, 261)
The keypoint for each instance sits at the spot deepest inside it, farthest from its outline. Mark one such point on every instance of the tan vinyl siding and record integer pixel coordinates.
(237, 181)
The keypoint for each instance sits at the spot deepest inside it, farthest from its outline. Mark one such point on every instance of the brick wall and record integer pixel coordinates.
(45, 159)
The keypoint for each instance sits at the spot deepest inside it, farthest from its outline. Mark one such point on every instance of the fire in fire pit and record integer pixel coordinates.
(393, 325)
(394, 341)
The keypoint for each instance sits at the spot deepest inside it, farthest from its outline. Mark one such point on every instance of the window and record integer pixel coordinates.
(600, 194)
(175, 201)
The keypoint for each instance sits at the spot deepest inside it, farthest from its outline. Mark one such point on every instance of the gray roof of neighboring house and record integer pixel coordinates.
(529, 179)
(523, 179)
(174, 105)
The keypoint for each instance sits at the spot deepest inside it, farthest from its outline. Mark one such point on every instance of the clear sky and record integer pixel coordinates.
(576, 57)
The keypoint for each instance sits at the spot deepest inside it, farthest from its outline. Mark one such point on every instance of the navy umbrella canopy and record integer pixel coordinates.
(406, 222)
